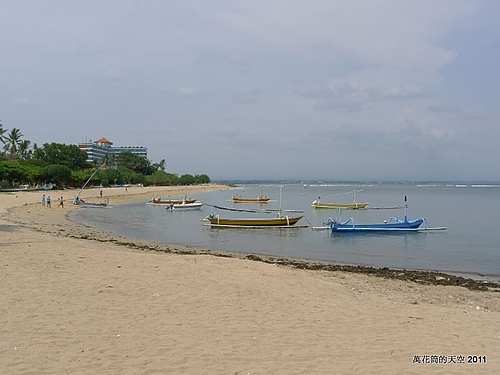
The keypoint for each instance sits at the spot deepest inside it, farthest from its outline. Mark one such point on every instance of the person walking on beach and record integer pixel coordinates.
(48, 202)
(100, 192)
(61, 202)
(43, 200)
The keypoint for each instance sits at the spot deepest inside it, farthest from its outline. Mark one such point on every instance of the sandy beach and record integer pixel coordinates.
(74, 300)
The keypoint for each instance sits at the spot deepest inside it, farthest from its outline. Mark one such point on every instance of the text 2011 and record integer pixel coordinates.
(476, 359)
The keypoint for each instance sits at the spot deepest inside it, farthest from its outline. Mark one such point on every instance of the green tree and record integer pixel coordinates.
(134, 162)
(159, 166)
(57, 153)
(2, 132)
(24, 150)
(160, 178)
(202, 179)
(13, 173)
(12, 143)
(187, 179)
(57, 174)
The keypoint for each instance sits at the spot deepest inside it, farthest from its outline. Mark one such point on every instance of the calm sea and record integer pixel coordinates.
(470, 246)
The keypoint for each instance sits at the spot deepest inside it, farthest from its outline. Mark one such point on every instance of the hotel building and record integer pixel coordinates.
(97, 150)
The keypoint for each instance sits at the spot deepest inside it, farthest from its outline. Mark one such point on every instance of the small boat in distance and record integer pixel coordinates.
(80, 202)
(17, 189)
(260, 199)
(184, 206)
(343, 206)
(159, 200)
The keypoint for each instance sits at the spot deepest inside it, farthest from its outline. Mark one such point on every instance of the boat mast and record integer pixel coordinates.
(406, 209)
(281, 196)
(90, 178)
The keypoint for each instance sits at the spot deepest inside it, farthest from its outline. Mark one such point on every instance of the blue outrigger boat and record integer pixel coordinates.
(391, 225)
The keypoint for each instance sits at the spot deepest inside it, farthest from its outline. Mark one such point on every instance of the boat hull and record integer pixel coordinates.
(160, 201)
(342, 206)
(397, 226)
(237, 199)
(185, 206)
(90, 204)
(250, 222)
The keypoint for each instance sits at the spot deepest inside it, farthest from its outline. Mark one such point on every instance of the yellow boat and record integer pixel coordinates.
(259, 199)
(282, 221)
(342, 206)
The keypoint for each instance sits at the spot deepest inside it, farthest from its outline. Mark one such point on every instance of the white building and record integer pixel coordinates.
(97, 150)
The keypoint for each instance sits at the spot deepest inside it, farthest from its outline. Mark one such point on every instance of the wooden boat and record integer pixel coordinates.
(45, 187)
(343, 206)
(392, 225)
(80, 202)
(185, 206)
(27, 188)
(281, 221)
(159, 200)
(259, 199)
(17, 189)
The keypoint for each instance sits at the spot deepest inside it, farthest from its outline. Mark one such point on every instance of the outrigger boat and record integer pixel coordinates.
(281, 221)
(159, 200)
(392, 225)
(184, 206)
(259, 199)
(80, 202)
(343, 206)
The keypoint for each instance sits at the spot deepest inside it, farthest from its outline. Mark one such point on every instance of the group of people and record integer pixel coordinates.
(47, 202)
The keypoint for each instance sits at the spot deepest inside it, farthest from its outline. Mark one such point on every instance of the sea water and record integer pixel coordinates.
(469, 246)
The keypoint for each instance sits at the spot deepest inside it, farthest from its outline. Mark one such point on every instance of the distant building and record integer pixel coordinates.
(98, 150)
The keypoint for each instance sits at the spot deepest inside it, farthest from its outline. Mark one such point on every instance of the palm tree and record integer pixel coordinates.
(2, 132)
(12, 143)
(24, 150)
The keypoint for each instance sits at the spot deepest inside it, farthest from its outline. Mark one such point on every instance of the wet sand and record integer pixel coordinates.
(80, 301)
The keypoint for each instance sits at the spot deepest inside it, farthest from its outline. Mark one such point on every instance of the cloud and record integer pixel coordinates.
(290, 83)
(188, 91)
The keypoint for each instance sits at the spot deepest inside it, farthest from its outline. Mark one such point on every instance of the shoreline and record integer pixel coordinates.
(77, 300)
(425, 277)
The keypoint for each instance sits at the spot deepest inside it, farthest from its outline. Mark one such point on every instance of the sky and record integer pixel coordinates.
(370, 90)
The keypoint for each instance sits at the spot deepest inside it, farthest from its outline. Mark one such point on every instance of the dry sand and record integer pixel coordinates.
(77, 301)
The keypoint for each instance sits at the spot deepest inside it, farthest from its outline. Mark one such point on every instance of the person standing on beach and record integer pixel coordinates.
(61, 202)
(43, 200)
(100, 192)
(48, 201)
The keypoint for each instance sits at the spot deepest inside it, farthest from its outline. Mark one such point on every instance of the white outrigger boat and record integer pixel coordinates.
(184, 206)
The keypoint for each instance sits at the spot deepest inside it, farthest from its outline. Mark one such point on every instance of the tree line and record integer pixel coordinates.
(66, 166)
